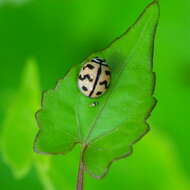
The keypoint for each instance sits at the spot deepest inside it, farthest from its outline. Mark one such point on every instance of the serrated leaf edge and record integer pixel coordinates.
(148, 114)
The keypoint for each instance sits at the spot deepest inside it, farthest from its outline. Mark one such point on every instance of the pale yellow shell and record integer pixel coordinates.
(94, 79)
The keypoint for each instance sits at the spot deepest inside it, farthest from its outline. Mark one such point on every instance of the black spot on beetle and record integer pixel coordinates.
(105, 83)
(98, 93)
(84, 88)
(107, 72)
(87, 76)
(88, 66)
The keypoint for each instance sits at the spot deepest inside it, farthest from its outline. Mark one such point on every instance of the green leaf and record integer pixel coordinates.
(107, 131)
(20, 126)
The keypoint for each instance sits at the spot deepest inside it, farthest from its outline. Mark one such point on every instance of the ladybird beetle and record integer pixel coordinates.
(94, 78)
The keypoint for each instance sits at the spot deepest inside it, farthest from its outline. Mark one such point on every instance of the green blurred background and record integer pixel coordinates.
(40, 40)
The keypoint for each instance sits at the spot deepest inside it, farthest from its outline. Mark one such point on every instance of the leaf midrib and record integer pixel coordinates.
(111, 92)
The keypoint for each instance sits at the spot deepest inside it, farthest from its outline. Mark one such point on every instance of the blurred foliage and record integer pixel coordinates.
(59, 33)
(19, 127)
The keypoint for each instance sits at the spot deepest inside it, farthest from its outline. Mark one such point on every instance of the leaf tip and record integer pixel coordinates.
(155, 5)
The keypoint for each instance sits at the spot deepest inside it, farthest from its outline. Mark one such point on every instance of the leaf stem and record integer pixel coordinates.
(80, 178)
